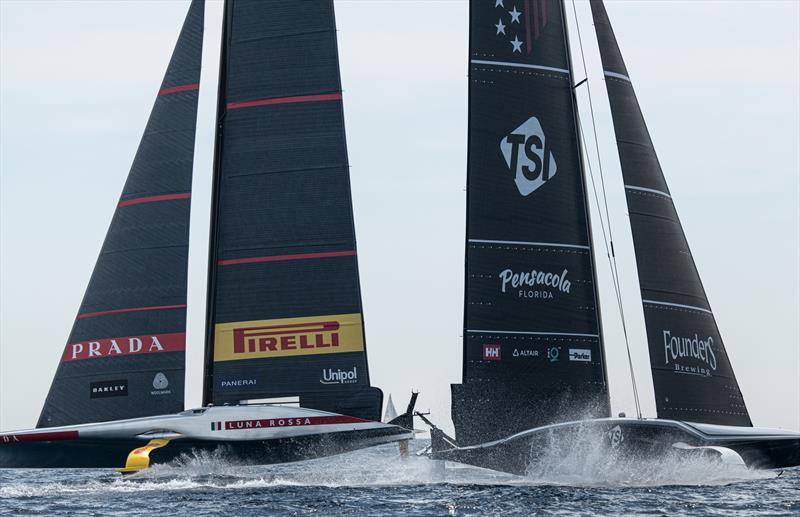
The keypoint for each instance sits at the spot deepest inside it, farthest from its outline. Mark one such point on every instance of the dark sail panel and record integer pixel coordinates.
(692, 376)
(532, 341)
(125, 355)
(285, 316)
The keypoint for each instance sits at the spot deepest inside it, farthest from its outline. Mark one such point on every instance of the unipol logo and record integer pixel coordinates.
(491, 352)
(331, 376)
(528, 155)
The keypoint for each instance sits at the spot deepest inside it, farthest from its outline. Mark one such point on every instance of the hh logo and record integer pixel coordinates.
(491, 352)
(528, 155)
(288, 337)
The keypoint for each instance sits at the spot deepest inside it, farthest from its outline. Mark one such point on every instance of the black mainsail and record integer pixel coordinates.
(692, 375)
(284, 314)
(532, 339)
(125, 354)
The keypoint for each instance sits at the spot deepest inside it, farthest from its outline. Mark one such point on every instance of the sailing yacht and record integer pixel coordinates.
(285, 372)
(534, 367)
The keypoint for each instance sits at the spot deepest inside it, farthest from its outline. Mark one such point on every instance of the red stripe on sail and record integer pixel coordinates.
(152, 199)
(127, 345)
(181, 88)
(39, 437)
(285, 100)
(279, 258)
(544, 13)
(133, 309)
(297, 421)
(528, 42)
(536, 19)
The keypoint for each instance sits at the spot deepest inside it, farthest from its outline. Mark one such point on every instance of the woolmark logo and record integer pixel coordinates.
(331, 376)
(534, 284)
(580, 354)
(677, 348)
(528, 155)
(491, 353)
(160, 385)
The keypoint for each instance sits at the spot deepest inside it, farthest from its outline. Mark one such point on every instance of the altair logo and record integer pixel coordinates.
(677, 348)
(528, 155)
(331, 376)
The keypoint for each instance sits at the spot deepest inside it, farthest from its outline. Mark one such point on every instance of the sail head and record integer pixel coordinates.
(125, 354)
(692, 375)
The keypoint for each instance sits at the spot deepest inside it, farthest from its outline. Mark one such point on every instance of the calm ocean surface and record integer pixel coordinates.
(376, 482)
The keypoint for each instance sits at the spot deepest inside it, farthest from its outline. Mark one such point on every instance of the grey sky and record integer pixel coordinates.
(719, 84)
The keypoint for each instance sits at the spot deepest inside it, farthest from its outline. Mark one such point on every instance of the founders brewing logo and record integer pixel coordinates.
(105, 389)
(331, 376)
(288, 337)
(528, 155)
(678, 349)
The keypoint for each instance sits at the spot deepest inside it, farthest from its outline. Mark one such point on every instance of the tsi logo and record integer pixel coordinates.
(580, 354)
(528, 156)
(491, 352)
(331, 376)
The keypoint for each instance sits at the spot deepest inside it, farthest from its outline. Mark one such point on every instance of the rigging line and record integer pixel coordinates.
(610, 253)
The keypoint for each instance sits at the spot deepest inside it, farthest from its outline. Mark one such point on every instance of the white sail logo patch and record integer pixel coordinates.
(528, 156)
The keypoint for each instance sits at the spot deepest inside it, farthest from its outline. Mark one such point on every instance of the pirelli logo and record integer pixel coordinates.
(288, 337)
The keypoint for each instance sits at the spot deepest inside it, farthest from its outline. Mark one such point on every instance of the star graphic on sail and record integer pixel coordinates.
(517, 44)
(530, 24)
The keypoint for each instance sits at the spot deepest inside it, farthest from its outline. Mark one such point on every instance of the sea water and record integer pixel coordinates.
(377, 481)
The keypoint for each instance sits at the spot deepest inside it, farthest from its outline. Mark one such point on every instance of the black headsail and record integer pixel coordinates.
(284, 299)
(532, 341)
(692, 375)
(125, 355)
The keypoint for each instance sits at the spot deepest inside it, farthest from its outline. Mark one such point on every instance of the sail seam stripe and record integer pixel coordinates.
(133, 309)
(519, 65)
(474, 331)
(280, 258)
(616, 75)
(295, 99)
(152, 199)
(180, 88)
(651, 190)
(523, 243)
(655, 302)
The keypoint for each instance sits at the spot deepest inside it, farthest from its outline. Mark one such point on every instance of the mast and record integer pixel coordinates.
(125, 354)
(692, 375)
(208, 362)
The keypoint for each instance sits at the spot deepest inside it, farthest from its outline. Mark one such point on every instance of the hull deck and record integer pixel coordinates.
(624, 440)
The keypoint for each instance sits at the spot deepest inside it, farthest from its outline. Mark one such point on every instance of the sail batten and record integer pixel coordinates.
(125, 355)
(692, 375)
(532, 339)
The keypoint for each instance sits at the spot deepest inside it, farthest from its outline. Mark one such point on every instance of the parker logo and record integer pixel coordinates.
(105, 389)
(528, 155)
(690, 348)
(129, 345)
(580, 354)
(491, 353)
(288, 337)
(160, 385)
(534, 284)
(331, 376)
